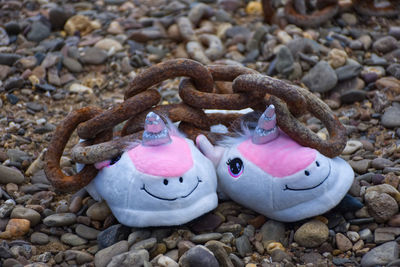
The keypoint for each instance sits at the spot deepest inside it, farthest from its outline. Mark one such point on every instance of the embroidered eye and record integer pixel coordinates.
(235, 167)
(115, 159)
(317, 163)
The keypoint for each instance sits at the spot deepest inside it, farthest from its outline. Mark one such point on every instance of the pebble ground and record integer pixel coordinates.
(57, 56)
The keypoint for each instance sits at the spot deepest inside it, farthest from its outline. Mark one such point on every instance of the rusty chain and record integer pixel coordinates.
(243, 88)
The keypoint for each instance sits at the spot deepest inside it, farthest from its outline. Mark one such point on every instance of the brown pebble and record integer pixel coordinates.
(76, 204)
(16, 228)
(83, 220)
(39, 72)
(11, 188)
(392, 179)
(258, 221)
(395, 220)
(343, 243)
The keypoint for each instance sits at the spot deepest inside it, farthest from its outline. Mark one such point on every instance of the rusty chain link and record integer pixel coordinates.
(60, 138)
(244, 88)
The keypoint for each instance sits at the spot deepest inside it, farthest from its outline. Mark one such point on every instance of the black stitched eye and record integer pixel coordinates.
(180, 179)
(235, 167)
(165, 181)
(317, 163)
(115, 159)
(307, 173)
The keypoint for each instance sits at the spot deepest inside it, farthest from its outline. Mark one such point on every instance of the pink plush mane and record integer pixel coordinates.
(169, 160)
(280, 157)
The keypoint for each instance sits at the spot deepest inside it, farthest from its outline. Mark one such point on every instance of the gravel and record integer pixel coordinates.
(58, 56)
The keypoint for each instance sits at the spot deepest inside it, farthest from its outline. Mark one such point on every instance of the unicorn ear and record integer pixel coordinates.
(155, 132)
(266, 129)
(213, 153)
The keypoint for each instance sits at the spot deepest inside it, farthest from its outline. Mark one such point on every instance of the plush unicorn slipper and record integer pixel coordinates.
(270, 173)
(164, 180)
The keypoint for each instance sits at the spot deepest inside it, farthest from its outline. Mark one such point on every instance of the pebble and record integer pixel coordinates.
(360, 166)
(312, 234)
(394, 31)
(86, 232)
(10, 175)
(80, 89)
(13, 83)
(381, 163)
(72, 64)
(352, 96)
(16, 228)
(39, 238)
(39, 31)
(390, 83)
(94, 55)
(385, 44)
(60, 219)
(115, 28)
(385, 188)
(375, 60)
(350, 70)
(337, 58)
(220, 251)
(395, 221)
(57, 17)
(243, 245)
(165, 261)
(80, 24)
(208, 222)
(112, 235)
(80, 257)
(381, 255)
(273, 231)
(104, 256)
(394, 70)
(144, 244)
(99, 211)
(366, 235)
(342, 242)
(6, 208)
(203, 238)
(12, 28)
(8, 58)
(284, 61)
(131, 258)
(353, 236)
(12, 263)
(381, 206)
(26, 213)
(108, 44)
(391, 117)
(138, 236)
(385, 234)
(198, 256)
(351, 147)
(72, 240)
(314, 83)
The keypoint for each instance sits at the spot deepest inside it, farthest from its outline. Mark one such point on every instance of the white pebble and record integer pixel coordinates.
(79, 88)
(351, 147)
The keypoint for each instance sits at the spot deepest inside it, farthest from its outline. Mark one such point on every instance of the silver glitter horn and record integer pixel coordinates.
(155, 132)
(266, 129)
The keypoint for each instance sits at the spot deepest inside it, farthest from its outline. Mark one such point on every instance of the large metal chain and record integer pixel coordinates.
(246, 89)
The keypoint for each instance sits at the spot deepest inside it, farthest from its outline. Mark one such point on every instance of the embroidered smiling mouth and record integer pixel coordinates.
(172, 199)
(309, 188)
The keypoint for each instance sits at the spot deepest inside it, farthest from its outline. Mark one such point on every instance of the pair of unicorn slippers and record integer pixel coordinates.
(167, 179)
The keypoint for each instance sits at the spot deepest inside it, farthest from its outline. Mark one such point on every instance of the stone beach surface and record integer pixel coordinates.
(58, 56)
